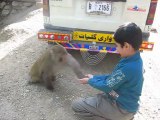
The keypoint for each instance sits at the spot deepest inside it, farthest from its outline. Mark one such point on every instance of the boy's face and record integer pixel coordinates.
(124, 51)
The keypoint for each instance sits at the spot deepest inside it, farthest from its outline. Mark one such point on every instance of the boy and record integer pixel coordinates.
(122, 88)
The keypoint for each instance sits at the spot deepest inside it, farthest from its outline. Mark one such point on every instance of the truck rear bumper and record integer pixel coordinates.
(66, 37)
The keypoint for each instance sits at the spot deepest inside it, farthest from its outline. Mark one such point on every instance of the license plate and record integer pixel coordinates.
(93, 37)
(93, 47)
(99, 7)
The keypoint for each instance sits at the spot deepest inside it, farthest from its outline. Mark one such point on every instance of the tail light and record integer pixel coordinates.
(151, 13)
(61, 37)
(147, 46)
(46, 8)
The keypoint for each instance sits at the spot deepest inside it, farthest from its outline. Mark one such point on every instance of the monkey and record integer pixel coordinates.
(49, 63)
(72, 62)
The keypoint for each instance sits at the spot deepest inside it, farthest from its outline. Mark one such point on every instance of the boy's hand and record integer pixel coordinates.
(85, 80)
(89, 76)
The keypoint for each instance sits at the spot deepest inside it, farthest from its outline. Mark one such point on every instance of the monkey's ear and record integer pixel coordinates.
(52, 55)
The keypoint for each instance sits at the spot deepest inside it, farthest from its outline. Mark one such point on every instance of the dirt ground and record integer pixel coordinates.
(19, 48)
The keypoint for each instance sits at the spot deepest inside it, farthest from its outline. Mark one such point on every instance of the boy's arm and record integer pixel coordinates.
(110, 82)
(102, 76)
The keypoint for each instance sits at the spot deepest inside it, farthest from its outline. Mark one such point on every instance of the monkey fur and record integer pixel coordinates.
(49, 63)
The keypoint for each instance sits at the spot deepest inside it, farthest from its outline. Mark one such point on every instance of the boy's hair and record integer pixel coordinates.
(129, 33)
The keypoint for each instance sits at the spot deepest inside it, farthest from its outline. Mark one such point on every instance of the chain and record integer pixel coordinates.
(92, 58)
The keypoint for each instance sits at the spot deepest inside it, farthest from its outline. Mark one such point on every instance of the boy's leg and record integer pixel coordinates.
(99, 108)
(85, 110)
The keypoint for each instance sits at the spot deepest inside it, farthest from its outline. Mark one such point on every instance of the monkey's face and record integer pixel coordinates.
(59, 54)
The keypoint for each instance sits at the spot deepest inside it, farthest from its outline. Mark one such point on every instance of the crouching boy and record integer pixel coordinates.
(122, 88)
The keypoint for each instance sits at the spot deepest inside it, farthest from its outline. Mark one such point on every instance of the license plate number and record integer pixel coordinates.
(99, 7)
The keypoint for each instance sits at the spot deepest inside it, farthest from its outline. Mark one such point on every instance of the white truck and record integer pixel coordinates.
(88, 25)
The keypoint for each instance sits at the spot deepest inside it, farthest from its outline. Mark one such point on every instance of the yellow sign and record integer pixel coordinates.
(93, 37)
